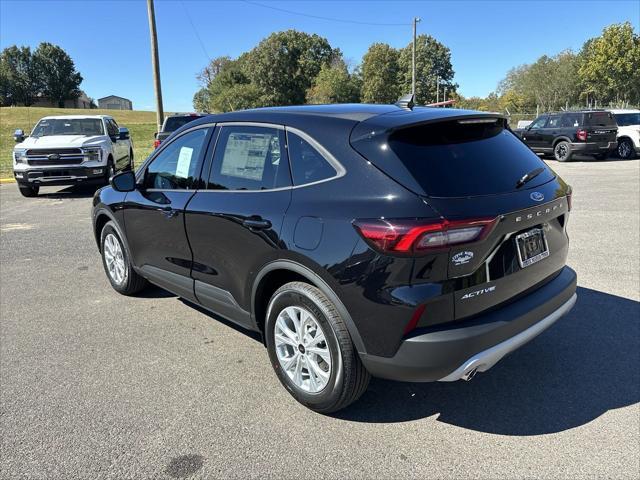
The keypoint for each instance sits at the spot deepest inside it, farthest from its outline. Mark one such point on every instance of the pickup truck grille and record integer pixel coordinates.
(54, 156)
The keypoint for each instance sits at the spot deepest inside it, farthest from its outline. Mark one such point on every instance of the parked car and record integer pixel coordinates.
(70, 149)
(563, 134)
(628, 132)
(413, 244)
(172, 123)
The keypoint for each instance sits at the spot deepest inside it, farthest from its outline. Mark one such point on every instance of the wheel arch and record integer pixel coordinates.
(277, 273)
(561, 139)
(102, 217)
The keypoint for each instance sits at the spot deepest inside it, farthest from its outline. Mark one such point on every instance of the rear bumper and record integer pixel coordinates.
(593, 147)
(60, 175)
(477, 344)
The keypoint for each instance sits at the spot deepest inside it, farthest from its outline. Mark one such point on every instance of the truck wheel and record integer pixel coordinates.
(117, 264)
(311, 350)
(625, 149)
(28, 190)
(562, 151)
(111, 170)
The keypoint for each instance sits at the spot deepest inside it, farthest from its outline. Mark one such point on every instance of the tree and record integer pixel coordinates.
(610, 64)
(334, 84)
(60, 80)
(380, 74)
(201, 100)
(433, 63)
(284, 65)
(20, 77)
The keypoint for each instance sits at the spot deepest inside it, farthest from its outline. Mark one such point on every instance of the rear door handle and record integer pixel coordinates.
(256, 223)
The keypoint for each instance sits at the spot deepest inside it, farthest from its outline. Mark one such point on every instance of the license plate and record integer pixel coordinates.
(532, 247)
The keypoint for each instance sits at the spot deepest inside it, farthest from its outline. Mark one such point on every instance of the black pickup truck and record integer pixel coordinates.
(563, 134)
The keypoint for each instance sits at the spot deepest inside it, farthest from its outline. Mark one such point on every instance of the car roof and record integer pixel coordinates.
(624, 110)
(386, 116)
(70, 117)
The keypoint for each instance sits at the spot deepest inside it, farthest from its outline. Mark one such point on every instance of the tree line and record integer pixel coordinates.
(47, 72)
(292, 67)
(605, 72)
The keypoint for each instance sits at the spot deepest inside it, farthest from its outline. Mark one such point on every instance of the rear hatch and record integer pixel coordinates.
(601, 127)
(473, 168)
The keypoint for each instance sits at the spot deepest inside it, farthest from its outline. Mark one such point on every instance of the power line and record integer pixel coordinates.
(195, 30)
(328, 19)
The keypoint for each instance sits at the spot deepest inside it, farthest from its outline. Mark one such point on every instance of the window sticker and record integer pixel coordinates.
(245, 155)
(184, 162)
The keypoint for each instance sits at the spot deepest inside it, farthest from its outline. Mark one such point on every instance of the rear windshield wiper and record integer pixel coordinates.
(529, 176)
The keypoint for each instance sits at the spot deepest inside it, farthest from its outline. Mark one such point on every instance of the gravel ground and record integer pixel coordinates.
(96, 385)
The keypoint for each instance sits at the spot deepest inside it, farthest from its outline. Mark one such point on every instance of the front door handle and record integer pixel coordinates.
(256, 223)
(169, 212)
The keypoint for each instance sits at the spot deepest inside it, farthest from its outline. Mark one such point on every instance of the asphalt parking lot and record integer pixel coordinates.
(96, 385)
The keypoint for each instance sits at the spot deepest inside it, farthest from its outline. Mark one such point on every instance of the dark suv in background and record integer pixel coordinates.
(172, 123)
(563, 134)
(415, 244)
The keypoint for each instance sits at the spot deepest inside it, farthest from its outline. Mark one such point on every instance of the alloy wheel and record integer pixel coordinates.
(624, 149)
(561, 151)
(302, 349)
(114, 259)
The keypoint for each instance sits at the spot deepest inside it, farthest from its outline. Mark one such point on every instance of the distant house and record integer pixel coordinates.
(83, 101)
(113, 102)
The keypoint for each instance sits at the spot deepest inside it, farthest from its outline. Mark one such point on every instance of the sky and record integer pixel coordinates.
(109, 40)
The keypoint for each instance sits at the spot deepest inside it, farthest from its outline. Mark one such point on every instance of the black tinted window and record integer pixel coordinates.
(539, 122)
(174, 123)
(626, 119)
(450, 159)
(554, 121)
(177, 166)
(571, 120)
(307, 164)
(249, 158)
(600, 119)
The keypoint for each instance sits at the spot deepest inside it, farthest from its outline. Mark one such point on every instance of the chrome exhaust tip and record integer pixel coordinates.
(467, 376)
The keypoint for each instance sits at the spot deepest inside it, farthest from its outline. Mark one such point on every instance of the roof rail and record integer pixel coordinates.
(406, 101)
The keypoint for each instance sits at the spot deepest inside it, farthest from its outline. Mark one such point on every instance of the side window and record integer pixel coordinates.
(554, 121)
(307, 164)
(177, 166)
(112, 129)
(539, 122)
(249, 158)
(570, 120)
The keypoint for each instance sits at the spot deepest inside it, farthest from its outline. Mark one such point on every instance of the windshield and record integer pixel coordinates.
(68, 126)
(174, 123)
(454, 159)
(626, 119)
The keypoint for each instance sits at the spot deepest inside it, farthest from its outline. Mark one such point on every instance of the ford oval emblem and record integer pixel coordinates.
(537, 196)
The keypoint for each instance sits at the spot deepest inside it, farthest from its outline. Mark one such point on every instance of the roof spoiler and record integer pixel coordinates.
(406, 101)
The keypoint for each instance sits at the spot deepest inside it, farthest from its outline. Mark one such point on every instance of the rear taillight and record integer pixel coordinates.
(156, 143)
(581, 135)
(414, 237)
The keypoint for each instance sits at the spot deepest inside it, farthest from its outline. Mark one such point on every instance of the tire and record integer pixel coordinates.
(346, 378)
(129, 166)
(130, 283)
(562, 151)
(625, 149)
(28, 190)
(111, 171)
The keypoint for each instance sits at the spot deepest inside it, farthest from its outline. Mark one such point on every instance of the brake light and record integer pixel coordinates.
(581, 135)
(156, 143)
(406, 237)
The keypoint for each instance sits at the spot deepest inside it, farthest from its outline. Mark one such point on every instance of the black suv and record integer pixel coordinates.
(585, 132)
(411, 244)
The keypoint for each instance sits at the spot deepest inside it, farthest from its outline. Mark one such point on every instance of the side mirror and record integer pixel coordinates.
(123, 133)
(18, 135)
(155, 135)
(123, 182)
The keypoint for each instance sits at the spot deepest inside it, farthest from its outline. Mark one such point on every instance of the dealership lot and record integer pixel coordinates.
(96, 385)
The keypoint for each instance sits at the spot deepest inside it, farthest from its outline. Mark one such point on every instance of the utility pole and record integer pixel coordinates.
(155, 61)
(437, 88)
(413, 58)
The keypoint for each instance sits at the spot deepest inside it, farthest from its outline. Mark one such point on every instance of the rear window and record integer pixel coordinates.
(626, 119)
(453, 159)
(600, 119)
(174, 123)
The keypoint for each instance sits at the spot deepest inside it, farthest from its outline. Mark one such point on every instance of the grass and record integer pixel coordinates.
(142, 126)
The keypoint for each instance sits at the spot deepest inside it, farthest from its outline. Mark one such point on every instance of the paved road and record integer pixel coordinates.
(95, 385)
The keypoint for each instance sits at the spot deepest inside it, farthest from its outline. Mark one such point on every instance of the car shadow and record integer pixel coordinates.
(583, 366)
(73, 191)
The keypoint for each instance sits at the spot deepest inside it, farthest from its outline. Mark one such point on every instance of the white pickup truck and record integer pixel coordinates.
(70, 149)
